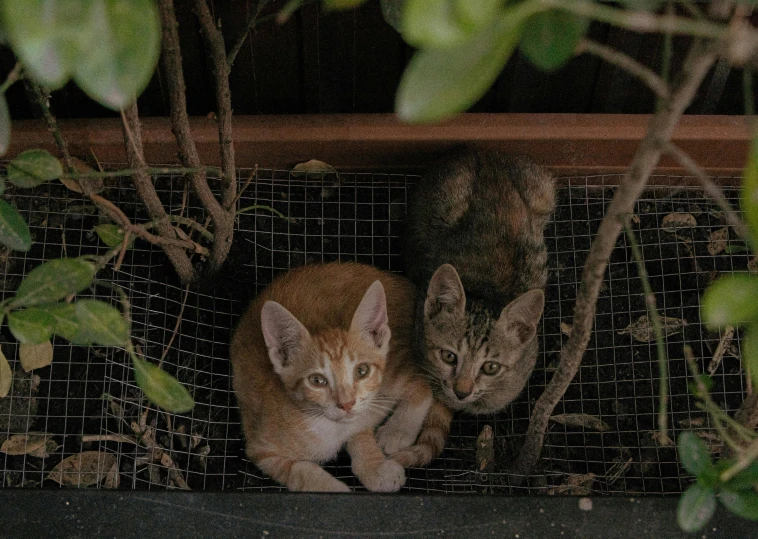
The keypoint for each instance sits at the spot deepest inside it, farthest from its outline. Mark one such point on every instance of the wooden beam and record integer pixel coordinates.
(567, 143)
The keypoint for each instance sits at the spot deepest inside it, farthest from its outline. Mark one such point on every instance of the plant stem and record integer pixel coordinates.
(15, 75)
(249, 27)
(641, 21)
(746, 458)
(663, 371)
(42, 98)
(262, 207)
(153, 171)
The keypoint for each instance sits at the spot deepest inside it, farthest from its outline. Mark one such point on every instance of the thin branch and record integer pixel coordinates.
(628, 64)
(152, 171)
(15, 75)
(710, 188)
(253, 176)
(146, 191)
(746, 458)
(249, 27)
(661, 128)
(43, 100)
(215, 43)
(652, 309)
(171, 60)
(176, 328)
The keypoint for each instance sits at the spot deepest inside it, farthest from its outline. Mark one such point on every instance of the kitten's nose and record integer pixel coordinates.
(347, 406)
(461, 394)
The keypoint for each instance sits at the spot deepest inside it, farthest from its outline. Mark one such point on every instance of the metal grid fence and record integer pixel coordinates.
(87, 399)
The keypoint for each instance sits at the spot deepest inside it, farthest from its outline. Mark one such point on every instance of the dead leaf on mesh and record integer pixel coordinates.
(724, 344)
(566, 329)
(314, 167)
(576, 485)
(35, 356)
(6, 376)
(26, 444)
(675, 221)
(752, 265)
(642, 329)
(485, 449)
(90, 185)
(718, 241)
(581, 420)
(112, 478)
(619, 468)
(83, 469)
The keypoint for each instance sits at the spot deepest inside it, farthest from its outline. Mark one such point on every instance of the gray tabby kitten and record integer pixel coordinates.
(474, 242)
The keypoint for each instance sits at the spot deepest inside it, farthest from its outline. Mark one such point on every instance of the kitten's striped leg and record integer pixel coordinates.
(432, 439)
(403, 427)
(371, 467)
(300, 475)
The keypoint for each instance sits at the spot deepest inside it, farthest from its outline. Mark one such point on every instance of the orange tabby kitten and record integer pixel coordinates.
(317, 367)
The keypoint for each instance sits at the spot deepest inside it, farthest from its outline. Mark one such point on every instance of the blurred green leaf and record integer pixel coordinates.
(749, 193)
(646, 5)
(731, 300)
(14, 232)
(161, 388)
(747, 479)
(433, 23)
(392, 11)
(31, 326)
(6, 376)
(750, 351)
(478, 13)
(54, 280)
(64, 320)
(550, 38)
(110, 234)
(342, 4)
(743, 503)
(696, 507)
(733, 249)
(441, 82)
(121, 47)
(100, 323)
(694, 455)
(33, 167)
(5, 132)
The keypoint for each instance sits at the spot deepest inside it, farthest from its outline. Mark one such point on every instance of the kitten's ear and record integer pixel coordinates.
(370, 318)
(445, 292)
(285, 336)
(521, 316)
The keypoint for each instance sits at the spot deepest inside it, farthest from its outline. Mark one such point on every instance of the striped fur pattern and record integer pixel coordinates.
(475, 244)
(319, 360)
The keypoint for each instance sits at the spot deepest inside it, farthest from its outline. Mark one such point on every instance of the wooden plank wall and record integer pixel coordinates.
(351, 62)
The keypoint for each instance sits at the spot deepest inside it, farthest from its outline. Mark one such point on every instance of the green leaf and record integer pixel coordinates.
(110, 234)
(121, 45)
(5, 132)
(161, 388)
(696, 507)
(747, 479)
(6, 376)
(65, 323)
(342, 4)
(550, 38)
(646, 5)
(33, 167)
(54, 280)
(433, 23)
(100, 323)
(743, 503)
(733, 249)
(31, 326)
(14, 232)
(392, 11)
(440, 82)
(694, 455)
(477, 14)
(750, 351)
(731, 300)
(749, 193)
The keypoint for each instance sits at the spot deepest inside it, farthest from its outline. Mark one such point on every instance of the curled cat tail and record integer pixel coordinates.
(431, 440)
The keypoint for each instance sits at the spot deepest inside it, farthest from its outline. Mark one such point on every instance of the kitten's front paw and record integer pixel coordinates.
(389, 477)
(392, 440)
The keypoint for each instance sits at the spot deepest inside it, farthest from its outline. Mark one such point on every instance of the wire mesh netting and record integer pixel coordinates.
(604, 441)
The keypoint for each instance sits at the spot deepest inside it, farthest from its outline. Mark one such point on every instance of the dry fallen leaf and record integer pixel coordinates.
(91, 185)
(83, 469)
(566, 329)
(112, 478)
(25, 444)
(6, 375)
(581, 420)
(642, 328)
(718, 241)
(618, 469)
(312, 168)
(485, 449)
(577, 485)
(674, 221)
(35, 356)
(752, 265)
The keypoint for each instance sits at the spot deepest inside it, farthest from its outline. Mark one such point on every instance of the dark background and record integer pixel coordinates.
(351, 62)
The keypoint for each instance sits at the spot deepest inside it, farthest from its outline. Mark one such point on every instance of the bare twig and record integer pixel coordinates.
(718, 355)
(176, 328)
(695, 68)
(171, 60)
(121, 438)
(710, 188)
(253, 176)
(146, 191)
(652, 309)
(43, 100)
(628, 64)
(152, 171)
(249, 27)
(15, 75)
(124, 248)
(215, 43)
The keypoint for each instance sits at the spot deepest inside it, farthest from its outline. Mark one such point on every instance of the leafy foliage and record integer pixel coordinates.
(34, 167)
(14, 232)
(161, 388)
(550, 38)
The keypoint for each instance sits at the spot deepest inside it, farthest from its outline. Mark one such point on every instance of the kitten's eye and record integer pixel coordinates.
(448, 357)
(362, 370)
(491, 368)
(317, 380)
